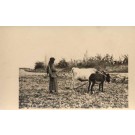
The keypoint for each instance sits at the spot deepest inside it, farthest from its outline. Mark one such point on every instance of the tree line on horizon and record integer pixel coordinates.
(88, 62)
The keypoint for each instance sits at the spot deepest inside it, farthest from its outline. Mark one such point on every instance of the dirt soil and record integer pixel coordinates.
(33, 93)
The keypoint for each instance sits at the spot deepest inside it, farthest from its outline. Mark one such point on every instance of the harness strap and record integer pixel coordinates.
(102, 73)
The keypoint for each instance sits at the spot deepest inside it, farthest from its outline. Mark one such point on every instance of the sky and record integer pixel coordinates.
(27, 45)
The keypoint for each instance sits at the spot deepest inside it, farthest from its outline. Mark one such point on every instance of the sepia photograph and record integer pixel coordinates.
(73, 67)
(67, 67)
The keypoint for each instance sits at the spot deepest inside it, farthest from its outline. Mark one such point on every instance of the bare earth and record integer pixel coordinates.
(33, 93)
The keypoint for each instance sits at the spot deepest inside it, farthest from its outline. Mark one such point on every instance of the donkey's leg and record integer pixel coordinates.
(102, 86)
(89, 86)
(93, 83)
(99, 86)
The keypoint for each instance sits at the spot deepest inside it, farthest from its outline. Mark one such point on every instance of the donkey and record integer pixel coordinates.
(98, 77)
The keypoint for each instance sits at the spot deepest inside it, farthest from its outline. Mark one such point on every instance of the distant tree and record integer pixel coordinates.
(125, 61)
(98, 57)
(63, 64)
(39, 65)
(108, 59)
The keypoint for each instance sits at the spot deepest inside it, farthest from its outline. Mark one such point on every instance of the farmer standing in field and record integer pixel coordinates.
(51, 70)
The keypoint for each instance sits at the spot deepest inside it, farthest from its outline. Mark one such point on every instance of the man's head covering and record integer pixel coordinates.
(52, 59)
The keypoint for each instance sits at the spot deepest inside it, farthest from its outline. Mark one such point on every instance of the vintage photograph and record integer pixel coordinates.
(73, 67)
